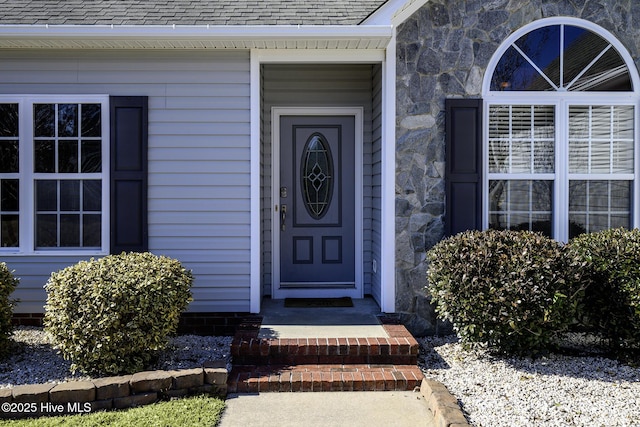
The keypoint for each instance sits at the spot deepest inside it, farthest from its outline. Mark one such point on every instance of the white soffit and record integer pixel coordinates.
(194, 37)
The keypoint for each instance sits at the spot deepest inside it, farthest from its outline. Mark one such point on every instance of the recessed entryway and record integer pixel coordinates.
(344, 196)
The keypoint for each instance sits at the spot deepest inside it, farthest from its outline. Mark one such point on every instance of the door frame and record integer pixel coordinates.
(357, 113)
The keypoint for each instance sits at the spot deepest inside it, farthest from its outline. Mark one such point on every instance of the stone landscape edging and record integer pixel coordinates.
(442, 404)
(143, 388)
(118, 392)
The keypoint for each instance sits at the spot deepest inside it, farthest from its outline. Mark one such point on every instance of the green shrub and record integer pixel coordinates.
(513, 291)
(110, 315)
(612, 276)
(8, 284)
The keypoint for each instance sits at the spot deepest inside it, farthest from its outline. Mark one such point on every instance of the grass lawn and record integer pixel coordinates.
(191, 411)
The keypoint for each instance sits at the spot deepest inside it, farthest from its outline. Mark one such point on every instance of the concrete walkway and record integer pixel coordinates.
(328, 409)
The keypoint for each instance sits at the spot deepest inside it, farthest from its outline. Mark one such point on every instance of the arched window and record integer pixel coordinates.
(560, 106)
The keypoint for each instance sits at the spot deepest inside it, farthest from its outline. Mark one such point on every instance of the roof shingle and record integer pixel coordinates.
(185, 12)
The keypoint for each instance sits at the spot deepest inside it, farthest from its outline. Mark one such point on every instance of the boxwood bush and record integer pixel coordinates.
(8, 284)
(612, 275)
(110, 315)
(511, 290)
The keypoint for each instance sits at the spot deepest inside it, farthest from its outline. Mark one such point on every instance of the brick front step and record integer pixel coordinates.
(315, 378)
(399, 348)
(323, 364)
(292, 351)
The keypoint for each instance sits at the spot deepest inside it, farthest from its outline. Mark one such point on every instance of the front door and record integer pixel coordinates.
(316, 218)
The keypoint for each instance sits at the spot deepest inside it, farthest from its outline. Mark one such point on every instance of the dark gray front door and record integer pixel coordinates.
(317, 202)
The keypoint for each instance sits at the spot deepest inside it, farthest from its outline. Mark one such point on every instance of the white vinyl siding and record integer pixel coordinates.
(314, 85)
(199, 159)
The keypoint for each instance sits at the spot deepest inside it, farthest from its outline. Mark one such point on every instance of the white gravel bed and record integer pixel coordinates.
(556, 390)
(33, 359)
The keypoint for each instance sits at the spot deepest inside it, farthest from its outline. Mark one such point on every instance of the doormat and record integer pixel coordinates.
(318, 302)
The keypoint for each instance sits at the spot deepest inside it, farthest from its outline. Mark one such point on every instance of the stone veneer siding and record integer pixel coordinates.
(443, 51)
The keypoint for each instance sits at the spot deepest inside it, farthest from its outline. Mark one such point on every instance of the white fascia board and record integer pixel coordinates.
(199, 32)
(394, 12)
(384, 15)
(408, 10)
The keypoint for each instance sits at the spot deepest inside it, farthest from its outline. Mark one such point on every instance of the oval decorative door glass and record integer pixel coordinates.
(317, 175)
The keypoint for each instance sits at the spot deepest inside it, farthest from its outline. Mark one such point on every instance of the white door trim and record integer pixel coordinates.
(358, 114)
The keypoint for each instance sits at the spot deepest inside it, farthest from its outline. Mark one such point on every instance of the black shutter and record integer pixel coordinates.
(128, 116)
(463, 209)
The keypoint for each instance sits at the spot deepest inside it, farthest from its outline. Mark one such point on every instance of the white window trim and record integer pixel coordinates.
(27, 176)
(561, 100)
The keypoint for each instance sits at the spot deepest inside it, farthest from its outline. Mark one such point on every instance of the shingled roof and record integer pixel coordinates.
(185, 12)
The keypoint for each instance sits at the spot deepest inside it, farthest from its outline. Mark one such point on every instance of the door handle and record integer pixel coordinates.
(283, 217)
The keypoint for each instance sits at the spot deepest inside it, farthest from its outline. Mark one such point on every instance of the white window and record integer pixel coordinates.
(561, 130)
(54, 174)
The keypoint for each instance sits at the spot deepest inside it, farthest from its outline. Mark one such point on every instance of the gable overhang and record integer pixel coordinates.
(360, 37)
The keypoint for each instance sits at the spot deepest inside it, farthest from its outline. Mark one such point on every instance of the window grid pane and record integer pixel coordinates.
(67, 138)
(9, 120)
(68, 213)
(598, 205)
(9, 213)
(601, 139)
(521, 139)
(521, 205)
